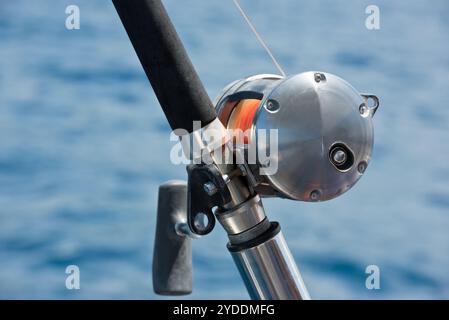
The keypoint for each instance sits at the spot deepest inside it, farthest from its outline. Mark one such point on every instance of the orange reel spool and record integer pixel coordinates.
(240, 121)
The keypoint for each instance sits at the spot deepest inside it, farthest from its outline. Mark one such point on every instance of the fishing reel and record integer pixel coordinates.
(311, 133)
(306, 137)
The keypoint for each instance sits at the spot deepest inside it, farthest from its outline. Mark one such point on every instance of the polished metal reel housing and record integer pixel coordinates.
(324, 132)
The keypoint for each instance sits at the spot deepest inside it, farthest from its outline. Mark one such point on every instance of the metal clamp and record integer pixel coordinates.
(206, 190)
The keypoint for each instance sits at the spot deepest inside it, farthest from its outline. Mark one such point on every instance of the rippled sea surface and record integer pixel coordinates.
(84, 146)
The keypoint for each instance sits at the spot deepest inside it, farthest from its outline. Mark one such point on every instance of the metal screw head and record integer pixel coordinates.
(210, 188)
(361, 167)
(226, 178)
(315, 195)
(272, 105)
(364, 110)
(339, 156)
(319, 77)
(201, 221)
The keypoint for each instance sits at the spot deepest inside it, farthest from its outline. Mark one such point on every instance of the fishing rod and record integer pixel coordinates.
(320, 143)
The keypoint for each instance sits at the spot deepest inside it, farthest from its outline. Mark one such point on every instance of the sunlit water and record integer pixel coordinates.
(84, 146)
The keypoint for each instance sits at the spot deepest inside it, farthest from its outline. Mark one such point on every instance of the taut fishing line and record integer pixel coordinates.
(258, 36)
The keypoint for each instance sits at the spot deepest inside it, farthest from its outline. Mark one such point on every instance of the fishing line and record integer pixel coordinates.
(262, 42)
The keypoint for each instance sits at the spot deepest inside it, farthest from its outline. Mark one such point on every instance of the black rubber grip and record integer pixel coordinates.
(172, 255)
(166, 63)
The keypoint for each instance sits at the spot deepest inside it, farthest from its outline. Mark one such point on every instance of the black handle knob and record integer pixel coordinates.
(172, 256)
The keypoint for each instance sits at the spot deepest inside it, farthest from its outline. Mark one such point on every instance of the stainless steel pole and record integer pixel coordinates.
(269, 270)
(261, 254)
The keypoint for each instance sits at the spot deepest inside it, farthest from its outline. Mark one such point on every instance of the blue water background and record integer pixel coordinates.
(84, 146)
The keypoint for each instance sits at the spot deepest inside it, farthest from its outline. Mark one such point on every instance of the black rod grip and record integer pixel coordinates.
(166, 63)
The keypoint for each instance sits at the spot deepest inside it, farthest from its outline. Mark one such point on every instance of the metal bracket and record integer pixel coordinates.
(201, 202)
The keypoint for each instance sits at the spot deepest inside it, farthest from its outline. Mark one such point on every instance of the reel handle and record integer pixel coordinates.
(172, 255)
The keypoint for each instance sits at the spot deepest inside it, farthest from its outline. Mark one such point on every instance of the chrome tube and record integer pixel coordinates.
(268, 268)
